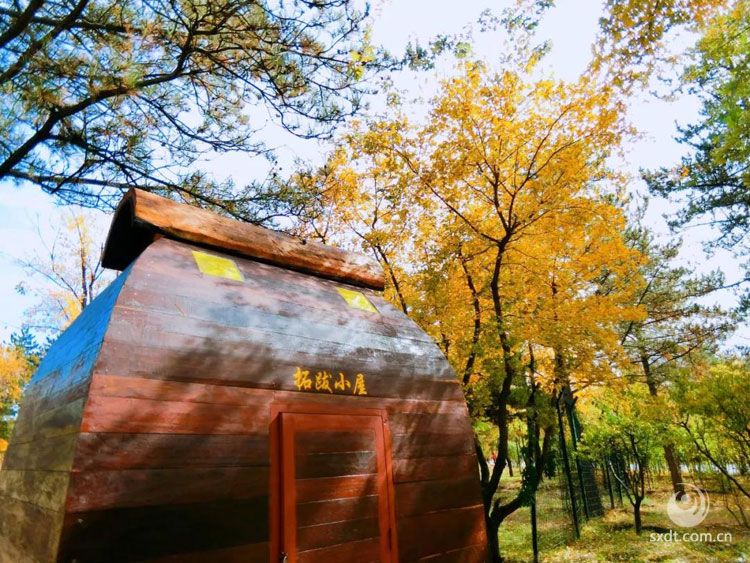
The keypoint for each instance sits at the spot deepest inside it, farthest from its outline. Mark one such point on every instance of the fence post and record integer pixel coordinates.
(566, 466)
(579, 468)
(534, 538)
(532, 469)
(609, 484)
(617, 483)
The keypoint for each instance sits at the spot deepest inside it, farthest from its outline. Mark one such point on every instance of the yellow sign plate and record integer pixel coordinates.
(217, 266)
(356, 300)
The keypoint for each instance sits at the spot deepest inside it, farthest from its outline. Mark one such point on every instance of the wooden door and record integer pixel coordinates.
(335, 498)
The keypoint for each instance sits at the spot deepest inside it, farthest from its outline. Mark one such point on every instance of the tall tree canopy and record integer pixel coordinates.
(98, 96)
(497, 225)
(677, 327)
(713, 181)
(635, 40)
(677, 324)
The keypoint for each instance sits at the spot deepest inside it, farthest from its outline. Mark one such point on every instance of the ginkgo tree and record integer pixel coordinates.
(497, 221)
(65, 275)
(18, 360)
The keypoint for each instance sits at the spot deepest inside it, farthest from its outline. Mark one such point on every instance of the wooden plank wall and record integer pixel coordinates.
(35, 473)
(172, 463)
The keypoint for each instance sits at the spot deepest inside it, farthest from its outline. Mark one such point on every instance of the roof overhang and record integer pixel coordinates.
(142, 217)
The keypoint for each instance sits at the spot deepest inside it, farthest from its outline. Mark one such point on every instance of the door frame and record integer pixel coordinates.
(278, 408)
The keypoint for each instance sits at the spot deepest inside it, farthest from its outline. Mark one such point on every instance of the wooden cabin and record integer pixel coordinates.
(239, 395)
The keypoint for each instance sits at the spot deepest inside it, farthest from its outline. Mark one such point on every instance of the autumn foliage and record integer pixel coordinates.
(501, 228)
(498, 208)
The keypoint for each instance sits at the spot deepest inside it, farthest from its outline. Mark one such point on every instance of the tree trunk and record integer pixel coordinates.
(510, 468)
(675, 474)
(493, 542)
(670, 456)
(637, 516)
(394, 280)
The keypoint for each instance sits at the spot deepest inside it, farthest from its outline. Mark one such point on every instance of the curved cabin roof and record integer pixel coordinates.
(142, 217)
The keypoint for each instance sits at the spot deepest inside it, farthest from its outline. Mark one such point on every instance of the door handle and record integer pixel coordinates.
(283, 557)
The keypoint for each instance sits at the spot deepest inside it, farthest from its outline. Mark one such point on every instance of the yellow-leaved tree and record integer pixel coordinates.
(65, 274)
(15, 371)
(497, 222)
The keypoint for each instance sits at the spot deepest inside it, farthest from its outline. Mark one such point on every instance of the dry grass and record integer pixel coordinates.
(613, 538)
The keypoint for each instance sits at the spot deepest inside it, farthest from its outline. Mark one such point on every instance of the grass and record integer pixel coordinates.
(613, 538)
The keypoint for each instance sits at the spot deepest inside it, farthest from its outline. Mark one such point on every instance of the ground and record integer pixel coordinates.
(612, 537)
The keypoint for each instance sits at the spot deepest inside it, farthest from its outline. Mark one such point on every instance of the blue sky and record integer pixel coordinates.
(571, 26)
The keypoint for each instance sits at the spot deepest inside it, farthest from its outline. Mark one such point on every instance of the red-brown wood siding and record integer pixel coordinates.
(172, 452)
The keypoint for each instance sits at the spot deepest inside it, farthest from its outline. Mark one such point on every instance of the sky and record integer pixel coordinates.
(571, 26)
